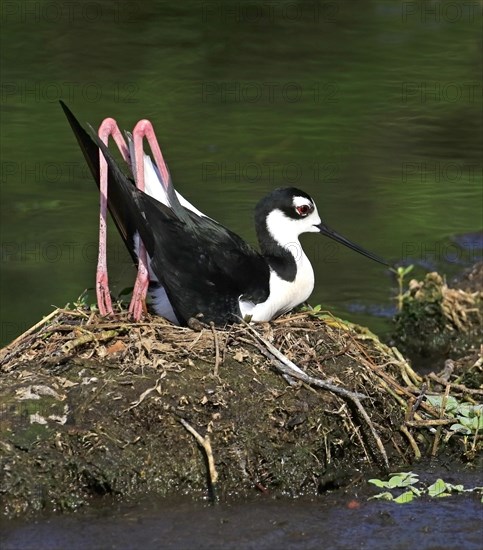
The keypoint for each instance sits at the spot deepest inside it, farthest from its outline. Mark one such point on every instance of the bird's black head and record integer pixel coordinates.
(281, 217)
(287, 212)
(293, 203)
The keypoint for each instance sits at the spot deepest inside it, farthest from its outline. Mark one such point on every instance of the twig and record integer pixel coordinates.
(459, 387)
(389, 381)
(289, 319)
(415, 378)
(217, 349)
(385, 382)
(284, 365)
(429, 422)
(417, 402)
(6, 355)
(142, 397)
(206, 446)
(402, 454)
(412, 442)
(225, 345)
(375, 435)
(89, 337)
(343, 351)
(35, 327)
(439, 429)
(195, 341)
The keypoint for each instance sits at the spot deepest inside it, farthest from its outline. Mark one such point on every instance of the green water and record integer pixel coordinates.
(374, 108)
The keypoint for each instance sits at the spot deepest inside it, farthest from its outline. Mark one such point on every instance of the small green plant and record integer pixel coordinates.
(401, 273)
(409, 481)
(401, 480)
(468, 417)
(325, 315)
(83, 300)
(441, 488)
(315, 311)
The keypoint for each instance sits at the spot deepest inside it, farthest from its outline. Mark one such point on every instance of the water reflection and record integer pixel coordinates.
(371, 107)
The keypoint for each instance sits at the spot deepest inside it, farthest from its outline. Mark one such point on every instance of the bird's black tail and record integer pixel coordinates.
(120, 185)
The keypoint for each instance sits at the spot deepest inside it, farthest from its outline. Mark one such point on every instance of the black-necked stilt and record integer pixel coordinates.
(194, 265)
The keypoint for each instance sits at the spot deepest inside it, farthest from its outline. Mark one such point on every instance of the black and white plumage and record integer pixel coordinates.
(196, 265)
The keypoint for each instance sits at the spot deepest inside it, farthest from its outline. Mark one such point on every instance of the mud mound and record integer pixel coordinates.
(94, 407)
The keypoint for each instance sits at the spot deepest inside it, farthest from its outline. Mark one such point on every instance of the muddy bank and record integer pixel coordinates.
(93, 407)
(440, 320)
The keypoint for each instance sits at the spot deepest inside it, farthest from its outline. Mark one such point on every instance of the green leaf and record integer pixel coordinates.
(407, 270)
(395, 481)
(406, 497)
(402, 271)
(459, 428)
(436, 401)
(378, 482)
(477, 422)
(402, 479)
(465, 409)
(471, 423)
(437, 488)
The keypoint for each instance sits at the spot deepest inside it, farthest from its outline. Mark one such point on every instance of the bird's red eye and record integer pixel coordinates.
(303, 210)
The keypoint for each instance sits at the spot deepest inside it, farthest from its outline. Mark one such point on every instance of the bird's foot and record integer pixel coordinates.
(137, 307)
(104, 301)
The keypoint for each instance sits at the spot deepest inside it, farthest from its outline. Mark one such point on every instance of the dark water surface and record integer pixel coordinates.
(341, 520)
(372, 107)
(454, 523)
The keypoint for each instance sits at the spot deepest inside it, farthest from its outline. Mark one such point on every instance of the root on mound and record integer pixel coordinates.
(94, 406)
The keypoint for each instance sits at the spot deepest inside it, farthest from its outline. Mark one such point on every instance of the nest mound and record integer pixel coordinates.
(95, 407)
(436, 319)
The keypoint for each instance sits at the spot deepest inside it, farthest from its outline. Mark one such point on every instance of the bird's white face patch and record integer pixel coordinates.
(301, 201)
(285, 231)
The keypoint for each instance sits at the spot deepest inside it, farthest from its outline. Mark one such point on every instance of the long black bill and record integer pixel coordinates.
(342, 240)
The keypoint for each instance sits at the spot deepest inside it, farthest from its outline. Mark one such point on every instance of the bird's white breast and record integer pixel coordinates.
(284, 295)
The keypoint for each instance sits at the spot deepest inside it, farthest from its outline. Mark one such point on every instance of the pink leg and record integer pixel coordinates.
(107, 128)
(144, 129)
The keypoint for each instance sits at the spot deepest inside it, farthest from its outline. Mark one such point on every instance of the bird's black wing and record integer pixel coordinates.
(204, 267)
